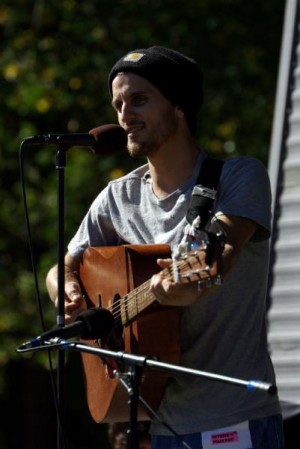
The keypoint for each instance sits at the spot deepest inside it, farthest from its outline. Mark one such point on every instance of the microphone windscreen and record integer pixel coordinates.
(109, 139)
(98, 322)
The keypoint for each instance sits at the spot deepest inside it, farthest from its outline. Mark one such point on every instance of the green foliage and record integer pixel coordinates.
(55, 58)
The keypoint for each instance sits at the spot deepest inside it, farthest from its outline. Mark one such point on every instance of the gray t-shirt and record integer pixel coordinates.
(222, 333)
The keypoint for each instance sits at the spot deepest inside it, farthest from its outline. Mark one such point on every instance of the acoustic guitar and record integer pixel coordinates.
(118, 278)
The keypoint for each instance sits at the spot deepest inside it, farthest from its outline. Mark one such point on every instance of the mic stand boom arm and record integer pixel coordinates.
(137, 363)
(145, 361)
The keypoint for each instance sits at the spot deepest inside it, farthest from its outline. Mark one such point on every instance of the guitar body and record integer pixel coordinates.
(108, 274)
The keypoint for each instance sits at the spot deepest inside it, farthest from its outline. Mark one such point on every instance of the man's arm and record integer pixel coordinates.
(238, 230)
(74, 301)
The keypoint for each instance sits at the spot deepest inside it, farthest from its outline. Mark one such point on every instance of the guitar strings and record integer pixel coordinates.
(126, 305)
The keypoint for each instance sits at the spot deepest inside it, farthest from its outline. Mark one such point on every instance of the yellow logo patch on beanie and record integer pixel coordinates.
(133, 57)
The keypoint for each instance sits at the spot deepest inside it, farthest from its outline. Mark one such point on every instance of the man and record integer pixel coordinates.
(157, 93)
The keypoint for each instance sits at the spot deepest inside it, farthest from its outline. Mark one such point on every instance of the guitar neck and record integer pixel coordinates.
(188, 268)
(135, 302)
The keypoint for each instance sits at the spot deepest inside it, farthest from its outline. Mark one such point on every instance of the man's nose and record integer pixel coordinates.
(126, 112)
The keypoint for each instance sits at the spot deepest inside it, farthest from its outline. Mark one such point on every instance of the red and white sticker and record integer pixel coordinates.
(233, 437)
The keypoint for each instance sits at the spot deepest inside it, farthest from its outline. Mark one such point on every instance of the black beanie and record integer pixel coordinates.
(177, 76)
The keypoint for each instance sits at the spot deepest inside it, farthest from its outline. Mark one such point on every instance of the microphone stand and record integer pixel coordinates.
(134, 377)
(60, 319)
(136, 365)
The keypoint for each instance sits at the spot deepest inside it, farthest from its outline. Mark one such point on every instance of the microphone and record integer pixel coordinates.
(104, 139)
(95, 323)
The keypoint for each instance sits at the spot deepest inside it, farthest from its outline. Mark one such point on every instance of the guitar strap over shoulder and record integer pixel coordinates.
(205, 191)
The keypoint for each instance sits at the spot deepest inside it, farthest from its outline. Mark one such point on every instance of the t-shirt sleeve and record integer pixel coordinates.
(244, 191)
(96, 229)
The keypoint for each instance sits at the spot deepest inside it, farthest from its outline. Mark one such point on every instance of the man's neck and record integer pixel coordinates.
(170, 168)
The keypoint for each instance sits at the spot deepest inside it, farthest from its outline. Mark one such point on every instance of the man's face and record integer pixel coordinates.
(149, 119)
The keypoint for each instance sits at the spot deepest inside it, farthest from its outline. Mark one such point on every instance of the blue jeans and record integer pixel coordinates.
(266, 433)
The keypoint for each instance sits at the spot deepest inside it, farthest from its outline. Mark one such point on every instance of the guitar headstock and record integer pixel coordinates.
(202, 263)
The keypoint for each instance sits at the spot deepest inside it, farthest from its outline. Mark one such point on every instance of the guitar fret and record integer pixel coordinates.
(135, 302)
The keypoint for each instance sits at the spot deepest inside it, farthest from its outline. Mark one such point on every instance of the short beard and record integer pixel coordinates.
(143, 149)
(156, 140)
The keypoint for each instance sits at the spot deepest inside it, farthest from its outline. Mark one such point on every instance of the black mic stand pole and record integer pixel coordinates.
(135, 373)
(60, 320)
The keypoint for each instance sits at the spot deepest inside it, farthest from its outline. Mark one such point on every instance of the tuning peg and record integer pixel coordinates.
(209, 282)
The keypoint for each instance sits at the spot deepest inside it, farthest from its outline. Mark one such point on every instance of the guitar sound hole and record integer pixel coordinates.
(115, 340)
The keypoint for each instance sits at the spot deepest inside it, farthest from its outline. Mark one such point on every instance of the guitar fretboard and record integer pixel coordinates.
(135, 302)
(187, 269)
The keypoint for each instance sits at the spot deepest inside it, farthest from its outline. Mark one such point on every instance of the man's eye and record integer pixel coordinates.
(118, 105)
(139, 100)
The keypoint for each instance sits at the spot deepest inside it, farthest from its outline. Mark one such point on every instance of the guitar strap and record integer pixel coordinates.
(205, 191)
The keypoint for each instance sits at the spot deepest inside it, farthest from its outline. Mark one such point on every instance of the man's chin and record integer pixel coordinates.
(136, 149)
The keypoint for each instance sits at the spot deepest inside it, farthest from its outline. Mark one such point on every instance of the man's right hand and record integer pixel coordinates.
(74, 300)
